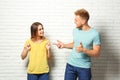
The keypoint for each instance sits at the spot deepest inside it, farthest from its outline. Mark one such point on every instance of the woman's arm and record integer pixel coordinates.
(25, 52)
(48, 51)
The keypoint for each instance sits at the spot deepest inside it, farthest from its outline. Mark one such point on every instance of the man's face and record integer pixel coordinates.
(79, 21)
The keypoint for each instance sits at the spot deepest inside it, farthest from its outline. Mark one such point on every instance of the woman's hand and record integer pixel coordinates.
(48, 46)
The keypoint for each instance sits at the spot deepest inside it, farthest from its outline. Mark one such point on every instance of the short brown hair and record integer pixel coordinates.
(83, 13)
(34, 29)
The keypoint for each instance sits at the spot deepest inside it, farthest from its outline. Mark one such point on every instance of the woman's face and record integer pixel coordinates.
(40, 31)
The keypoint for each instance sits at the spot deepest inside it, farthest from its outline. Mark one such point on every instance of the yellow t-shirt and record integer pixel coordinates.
(38, 63)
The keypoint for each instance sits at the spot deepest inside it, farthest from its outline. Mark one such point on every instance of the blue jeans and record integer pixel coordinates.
(44, 76)
(72, 73)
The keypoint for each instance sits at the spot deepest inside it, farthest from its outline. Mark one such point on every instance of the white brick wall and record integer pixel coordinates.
(57, 16)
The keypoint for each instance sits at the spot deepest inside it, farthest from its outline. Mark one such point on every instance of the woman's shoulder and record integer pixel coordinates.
(28, 40)
(46, 40)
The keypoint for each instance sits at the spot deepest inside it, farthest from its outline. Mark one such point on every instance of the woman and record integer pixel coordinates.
(39, 51)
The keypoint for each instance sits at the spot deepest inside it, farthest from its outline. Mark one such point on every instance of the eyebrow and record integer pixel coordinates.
(41, 28)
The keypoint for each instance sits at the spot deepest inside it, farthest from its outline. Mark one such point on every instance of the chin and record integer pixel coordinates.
(78, 26)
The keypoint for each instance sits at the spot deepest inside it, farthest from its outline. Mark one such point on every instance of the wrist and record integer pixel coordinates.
(48, 49)
(26, 49)
(83, 50)
(63, 46)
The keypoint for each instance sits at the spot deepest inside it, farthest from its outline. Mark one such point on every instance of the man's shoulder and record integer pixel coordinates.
(95, 31)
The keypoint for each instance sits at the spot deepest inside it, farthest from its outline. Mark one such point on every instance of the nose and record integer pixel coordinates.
(42, 31)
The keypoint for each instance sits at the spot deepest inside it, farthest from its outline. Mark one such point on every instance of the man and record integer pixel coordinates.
(86, 44)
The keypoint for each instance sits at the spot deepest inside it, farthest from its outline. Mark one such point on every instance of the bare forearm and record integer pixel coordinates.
(24, 54)
(69, 45)
(93, 53)
(49, 54)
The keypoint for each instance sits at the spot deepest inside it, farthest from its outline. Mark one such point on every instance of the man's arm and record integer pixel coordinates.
(69, 45)
(95, 52)
(60, 44)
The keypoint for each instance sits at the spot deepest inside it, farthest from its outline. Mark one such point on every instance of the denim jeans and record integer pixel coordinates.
(44, 76)
(72, 73)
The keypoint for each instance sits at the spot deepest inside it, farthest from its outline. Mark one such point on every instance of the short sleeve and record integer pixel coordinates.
(97, 39)
(48, 41)
(26, 43)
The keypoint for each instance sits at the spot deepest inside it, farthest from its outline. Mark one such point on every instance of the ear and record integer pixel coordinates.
(83, 21)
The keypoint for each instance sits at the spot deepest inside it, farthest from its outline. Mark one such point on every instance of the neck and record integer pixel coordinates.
(39, 38)
(85, 27)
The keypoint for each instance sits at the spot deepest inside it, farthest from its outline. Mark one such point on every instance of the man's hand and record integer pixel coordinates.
(59, 44)
(79, 48)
